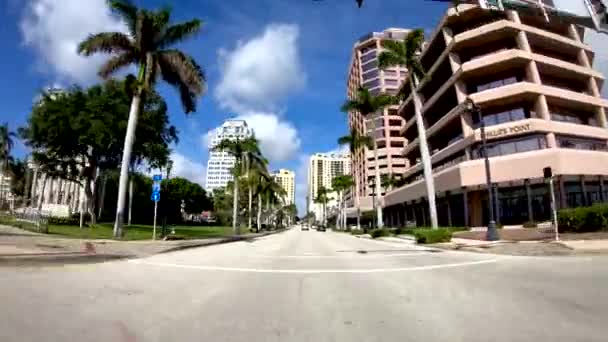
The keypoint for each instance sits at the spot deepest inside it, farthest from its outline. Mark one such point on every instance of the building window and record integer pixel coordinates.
(390, 73)
(504, 116)
(370, 75)
(368, 57)
(567, 115)
(530, 143)
(391, 82)
(372, 84)
(369, 66)
(495, 84)
(581, 144)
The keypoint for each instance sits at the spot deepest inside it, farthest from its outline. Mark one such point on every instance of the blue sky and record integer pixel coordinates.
(280, 64)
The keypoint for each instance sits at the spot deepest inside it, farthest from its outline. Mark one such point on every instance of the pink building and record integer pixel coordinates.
(540, 99)
(364, 71)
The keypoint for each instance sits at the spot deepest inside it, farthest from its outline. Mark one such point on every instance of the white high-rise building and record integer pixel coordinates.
(220, 164)
(322, 168)
(287, 180)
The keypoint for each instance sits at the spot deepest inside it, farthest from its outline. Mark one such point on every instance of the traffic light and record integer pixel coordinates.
(547, 172)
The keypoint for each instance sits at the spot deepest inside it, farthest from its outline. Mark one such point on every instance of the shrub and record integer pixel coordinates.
(376, 233)
(64, 221)
(432, 235)
(583, 219)
(530, 224)
(402, 230)
(357, 231)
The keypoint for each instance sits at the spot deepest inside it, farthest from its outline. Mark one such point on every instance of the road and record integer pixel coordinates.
(310, 286)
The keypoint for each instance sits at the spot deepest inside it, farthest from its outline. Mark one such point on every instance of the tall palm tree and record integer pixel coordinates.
(256, 182)
(147, 45)
(405, 53)
(6, 145)
(322, 198)
(340, 184)
(241, 150)
(355, 141)
(367, 105)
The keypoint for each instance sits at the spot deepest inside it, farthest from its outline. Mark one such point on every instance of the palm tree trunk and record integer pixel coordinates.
(250, 207)
(103, 194)
(126, 159)
(235, 205)
(259, 223)
(130, 198)
(424, 153)
(380, 222)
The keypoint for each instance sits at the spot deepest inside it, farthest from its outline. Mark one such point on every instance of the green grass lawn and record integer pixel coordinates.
(133, 232)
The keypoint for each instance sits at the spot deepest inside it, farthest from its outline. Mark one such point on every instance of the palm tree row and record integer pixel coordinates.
(6, 145)
(396, 53)
(251, 168)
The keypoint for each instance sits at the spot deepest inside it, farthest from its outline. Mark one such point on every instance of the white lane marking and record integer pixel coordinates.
(313, 271)
(350, 256)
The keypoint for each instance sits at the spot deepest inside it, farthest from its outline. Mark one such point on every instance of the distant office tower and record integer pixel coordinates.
(364, 72)
(322, 168)
(287, 180)
(220, 164)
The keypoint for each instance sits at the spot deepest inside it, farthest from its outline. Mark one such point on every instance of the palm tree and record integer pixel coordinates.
(339, 184)
(6, 145)
(367, 104)
(242, 150)
(405, 53)
(322, 198)
(257, 181)
(147, 45)
(355, 141)
(389, 181)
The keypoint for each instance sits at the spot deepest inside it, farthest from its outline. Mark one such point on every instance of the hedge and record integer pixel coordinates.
(357, 231)
(432, 235)
(376, 233)
(583, 219)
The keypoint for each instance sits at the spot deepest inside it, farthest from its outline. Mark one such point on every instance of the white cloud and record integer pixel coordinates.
(259, 73)
(187, 168)
(279, 139)
(257, 76)
(54, 28)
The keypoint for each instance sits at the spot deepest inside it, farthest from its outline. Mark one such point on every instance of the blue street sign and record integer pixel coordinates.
(157, 178)
(156, 187)
(155, 196)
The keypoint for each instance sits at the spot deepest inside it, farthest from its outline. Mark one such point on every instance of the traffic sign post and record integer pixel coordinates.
(155, 197)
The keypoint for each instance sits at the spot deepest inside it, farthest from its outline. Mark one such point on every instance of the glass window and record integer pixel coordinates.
(581, 144)
(368, 57)
(369, 66)
(370, 75)
(391, 82)
(390, 73)
(372, 84)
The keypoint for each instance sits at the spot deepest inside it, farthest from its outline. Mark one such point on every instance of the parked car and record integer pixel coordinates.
(321, 229)
(304, 228)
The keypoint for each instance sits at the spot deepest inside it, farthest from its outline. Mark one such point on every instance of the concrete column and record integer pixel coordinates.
(529, 198)
(465, 200)
(447, 197)
(33, 189)
(513, 16)
(542, 111)
(562, 191)
(586, 201)
(496, 203)
(602, 197)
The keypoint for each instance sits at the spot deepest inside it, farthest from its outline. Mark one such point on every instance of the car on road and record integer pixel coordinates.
(321, 229)
(304, 228)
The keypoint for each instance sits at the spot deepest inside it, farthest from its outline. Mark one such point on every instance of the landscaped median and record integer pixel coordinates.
(422, 235)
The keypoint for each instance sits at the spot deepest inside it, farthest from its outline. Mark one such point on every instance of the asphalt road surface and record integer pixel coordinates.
(310, 286)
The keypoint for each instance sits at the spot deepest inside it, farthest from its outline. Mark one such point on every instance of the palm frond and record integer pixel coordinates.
(345, 140)
(127, 12)
(116, 63)
(160, 19)
(179, 32)
(106, 42)
(182, 72)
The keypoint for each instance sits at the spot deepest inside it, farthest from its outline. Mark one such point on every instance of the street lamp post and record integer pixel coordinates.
(373, 186)
(491, 233)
